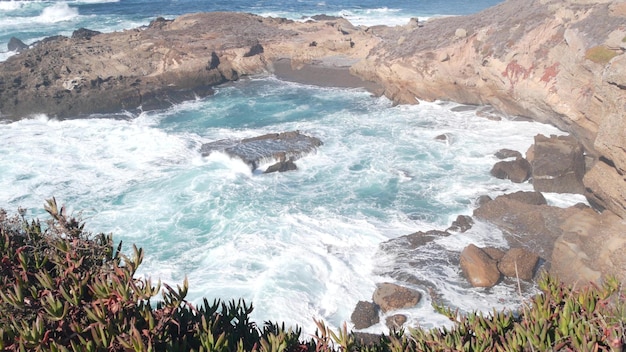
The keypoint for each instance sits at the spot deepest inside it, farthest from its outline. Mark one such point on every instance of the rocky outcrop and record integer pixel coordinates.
(578, 244)
(284, 147)
(560, 62)
(558, 165)
(167, 62)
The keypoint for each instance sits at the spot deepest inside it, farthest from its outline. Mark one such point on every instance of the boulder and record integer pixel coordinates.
(461, 224)
(507, 153)
(84, 33)
(518, 262)
(16, 45)
(518, 170)
(282, 166)
(365, 314)
(483, 200)
(478, 267)
(390, 297)
(495, 253)
(395, 322)
(558, 164)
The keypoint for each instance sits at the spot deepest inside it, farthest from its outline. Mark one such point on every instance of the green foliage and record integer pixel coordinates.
(64, 289)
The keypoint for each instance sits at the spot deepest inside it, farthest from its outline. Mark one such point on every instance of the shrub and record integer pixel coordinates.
(65, 289)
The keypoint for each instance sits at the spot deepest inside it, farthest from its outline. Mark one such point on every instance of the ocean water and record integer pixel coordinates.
(301, 245)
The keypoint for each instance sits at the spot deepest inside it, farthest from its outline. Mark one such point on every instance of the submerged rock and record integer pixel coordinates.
(285, 147)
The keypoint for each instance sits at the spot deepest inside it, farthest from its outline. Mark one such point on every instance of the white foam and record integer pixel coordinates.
(11, 5)
(58, 12)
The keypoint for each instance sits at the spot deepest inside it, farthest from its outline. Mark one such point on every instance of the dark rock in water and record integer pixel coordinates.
(507, 153)
(365, 314)
(84, 33)
(413, 240)
(558, 165)
(517, 171)
(483, 200)
(282, 166)
(16, 45)
(461, 224)
(288, 146)
(445, 138)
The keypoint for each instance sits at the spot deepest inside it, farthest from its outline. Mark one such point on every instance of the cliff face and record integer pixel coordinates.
(560, 62)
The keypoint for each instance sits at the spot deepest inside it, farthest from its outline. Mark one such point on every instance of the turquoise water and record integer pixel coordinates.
(299, 245)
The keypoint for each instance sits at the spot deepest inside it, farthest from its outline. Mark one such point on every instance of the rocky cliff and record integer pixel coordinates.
(559, 62)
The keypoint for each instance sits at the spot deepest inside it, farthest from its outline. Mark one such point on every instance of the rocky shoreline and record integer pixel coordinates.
(559, 62)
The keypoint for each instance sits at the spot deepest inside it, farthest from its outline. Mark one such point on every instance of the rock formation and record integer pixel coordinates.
(560, 62)
(284, 147)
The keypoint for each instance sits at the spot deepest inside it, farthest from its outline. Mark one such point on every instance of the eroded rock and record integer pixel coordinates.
(285, 147)
(479, 268)
(365, 314)
(391, 297)
(517, 171)
(558, 165)
(518, 263)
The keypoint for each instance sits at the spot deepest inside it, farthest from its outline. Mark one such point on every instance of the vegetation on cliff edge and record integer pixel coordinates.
(65, 289)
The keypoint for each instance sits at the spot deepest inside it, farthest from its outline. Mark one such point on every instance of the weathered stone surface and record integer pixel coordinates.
(461, 224)
(414, 240)
(16, 45)
(507, 153)
(495, 253)
(558, 164)
(282, 166)
(517, 171)
(591, 245)
(478, 267)
(518, 263)
(285, 146)
(365, 314)
(395, 322)
(390, 297)
(84, 33)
